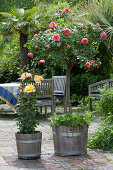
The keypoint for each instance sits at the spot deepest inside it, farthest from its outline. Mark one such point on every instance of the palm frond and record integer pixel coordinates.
(6, 14)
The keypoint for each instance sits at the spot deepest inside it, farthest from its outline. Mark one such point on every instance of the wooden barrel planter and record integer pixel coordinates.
(29, 145)
(70, 140)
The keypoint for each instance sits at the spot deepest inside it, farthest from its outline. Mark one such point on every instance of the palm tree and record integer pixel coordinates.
(22, 21)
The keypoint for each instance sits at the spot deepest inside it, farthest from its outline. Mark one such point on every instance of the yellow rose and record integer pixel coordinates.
(38, 79)
(25, 75)
(29, 88)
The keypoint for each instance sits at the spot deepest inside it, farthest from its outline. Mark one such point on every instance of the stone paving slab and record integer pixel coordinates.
(93, 160)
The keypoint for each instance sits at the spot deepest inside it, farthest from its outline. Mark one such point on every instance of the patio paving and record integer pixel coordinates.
(93, 160)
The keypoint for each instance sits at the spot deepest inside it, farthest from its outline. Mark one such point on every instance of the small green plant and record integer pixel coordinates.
(103, 137)
(74, 119)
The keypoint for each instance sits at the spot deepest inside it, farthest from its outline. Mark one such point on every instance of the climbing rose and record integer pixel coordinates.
(66, 10)
(59, 11)
(36, 47)
(103, 35)
(87, 64)
(42, 61)
(67, 31)
(36, 35)
(98, 25)
(68, 46)
(90, 69)
(56, 37)
(47, 47)
(47, 31)
(84, 41)
(52, 25)
(73, 14)
(30, 55)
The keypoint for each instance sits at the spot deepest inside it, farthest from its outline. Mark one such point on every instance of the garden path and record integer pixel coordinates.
(93, 160)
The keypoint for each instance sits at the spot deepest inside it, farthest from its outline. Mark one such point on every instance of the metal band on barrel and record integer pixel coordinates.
(69, 134)
(29, 155)
(70, 152)
(29, 141)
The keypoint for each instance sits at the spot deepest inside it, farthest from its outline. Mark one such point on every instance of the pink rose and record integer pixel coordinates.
(81, 25)
(36, 35)
(52, 25)
(56, 37)
(30, 55)
(66, 10)
(87, 64)
(98, 25)
(36, 47)
(68, 46)
(47, 47)
(84, 41)
(67, 31)
(90, 69)
(47, 31)
(101, 30)
(103, 35)
(42, 61)
(59, 11)
(96, 65)
(73, 15)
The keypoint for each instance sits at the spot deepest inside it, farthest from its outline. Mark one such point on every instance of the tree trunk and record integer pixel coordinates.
(23, 50)
(69, 67)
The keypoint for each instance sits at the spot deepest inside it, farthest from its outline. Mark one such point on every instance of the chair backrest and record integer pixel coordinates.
(59, 84)
(45, 89)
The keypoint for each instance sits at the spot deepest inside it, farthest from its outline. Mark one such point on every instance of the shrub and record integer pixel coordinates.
(105, 104)
(103, 137)
(9, 59)
(80, 82)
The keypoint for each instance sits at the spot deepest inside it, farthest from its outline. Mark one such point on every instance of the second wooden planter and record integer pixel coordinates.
(70, 140)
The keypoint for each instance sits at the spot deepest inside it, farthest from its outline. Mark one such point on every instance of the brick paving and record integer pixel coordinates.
(93, 160)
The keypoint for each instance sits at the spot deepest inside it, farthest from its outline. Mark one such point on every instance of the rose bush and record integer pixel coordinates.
(25, 109)
(69, 42)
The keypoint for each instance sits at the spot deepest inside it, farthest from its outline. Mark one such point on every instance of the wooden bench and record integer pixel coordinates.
(94, 92)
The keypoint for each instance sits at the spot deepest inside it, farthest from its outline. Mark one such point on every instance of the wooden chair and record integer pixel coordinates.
(60, 90)
(93, 90)
(44, 94)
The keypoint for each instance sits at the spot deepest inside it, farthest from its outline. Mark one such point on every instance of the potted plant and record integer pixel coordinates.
(70, 133)
(28, 140)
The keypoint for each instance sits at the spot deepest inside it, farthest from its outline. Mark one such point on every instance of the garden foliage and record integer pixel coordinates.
(103, 137)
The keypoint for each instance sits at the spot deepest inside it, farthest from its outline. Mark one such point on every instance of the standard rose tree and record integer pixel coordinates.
(67, 42)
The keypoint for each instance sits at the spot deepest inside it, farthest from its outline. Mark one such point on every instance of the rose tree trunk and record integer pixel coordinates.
(69, 67)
